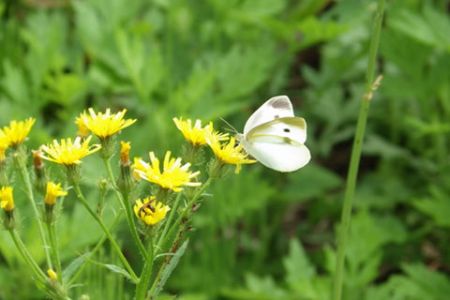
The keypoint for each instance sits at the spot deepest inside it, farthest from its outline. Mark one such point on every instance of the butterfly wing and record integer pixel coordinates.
(278, 155)
(279, 144)
(274, 108)
(288, 128)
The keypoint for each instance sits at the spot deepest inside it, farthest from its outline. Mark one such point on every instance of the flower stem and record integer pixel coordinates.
(185, 213)
(27, 256)
(168, 222)
(123, 198)
(54, 249)
(95, 249)
(343, 230)
(183, 216)
(19, 158)
(106, 231)
(144, 280)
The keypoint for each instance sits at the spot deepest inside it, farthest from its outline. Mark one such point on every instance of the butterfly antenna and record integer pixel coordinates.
(230, 127)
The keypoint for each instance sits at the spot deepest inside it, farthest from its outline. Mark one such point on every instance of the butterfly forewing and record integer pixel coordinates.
(274, 108)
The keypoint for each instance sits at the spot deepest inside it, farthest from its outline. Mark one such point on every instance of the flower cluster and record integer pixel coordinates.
(168, 175)
(225, 148)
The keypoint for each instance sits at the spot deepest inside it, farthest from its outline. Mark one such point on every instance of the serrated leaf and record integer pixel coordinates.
(436, 207)
(264, 288)
(298, 268)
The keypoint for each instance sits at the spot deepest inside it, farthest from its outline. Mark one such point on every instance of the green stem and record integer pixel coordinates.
(183, 216)
(54, 248)
(106, 231)
(187, 210)
(356, 152)
(27, 256)
(94, 250)
(169, 221)
(123, 198)
(144, 280)
(19, 158)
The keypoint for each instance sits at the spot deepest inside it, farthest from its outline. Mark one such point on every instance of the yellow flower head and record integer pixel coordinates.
(229, 152)
(104, 124)
(196, 134)
(173, 175)
(54, 190)
(4, 144)
(125, 148)
(6, 198)
(67, 152)
(17, 131)
(150, 211)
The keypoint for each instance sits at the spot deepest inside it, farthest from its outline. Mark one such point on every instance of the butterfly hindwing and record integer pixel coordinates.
(279, 156)
(291, 129)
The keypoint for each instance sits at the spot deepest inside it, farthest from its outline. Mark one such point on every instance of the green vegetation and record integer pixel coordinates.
(260, 234)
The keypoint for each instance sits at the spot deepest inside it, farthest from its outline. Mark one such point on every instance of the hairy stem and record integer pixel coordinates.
(27, 256)
(113, 242)
(144, 280)
(123, 198)
(19, 158)
(54, 248)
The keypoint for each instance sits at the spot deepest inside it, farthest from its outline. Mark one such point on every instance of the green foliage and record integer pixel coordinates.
(261, 235)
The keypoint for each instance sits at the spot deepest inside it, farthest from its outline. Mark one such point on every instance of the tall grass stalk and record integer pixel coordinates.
(370, 86)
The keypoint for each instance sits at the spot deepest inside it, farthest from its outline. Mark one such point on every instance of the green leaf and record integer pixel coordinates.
(436, 207)
(74, 266)
(168, 269)
(315, 30)
(118, 270)
(431, 28)
(265, 288)
(299, 270)
(312, 181)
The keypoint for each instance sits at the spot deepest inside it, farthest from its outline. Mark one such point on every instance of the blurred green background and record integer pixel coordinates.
(263, 235)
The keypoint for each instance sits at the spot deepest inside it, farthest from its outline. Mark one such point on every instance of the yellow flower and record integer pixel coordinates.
(229, 152)
(6, 198)
(67, 152)
(125, 148)
(196, 134)
(150, 211)
(52, 274)
(104, 124)
(54, 190)
(173, 176)
(4, 144)
(17, 131)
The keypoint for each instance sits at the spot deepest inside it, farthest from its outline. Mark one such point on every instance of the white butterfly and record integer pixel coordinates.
(275, 137)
